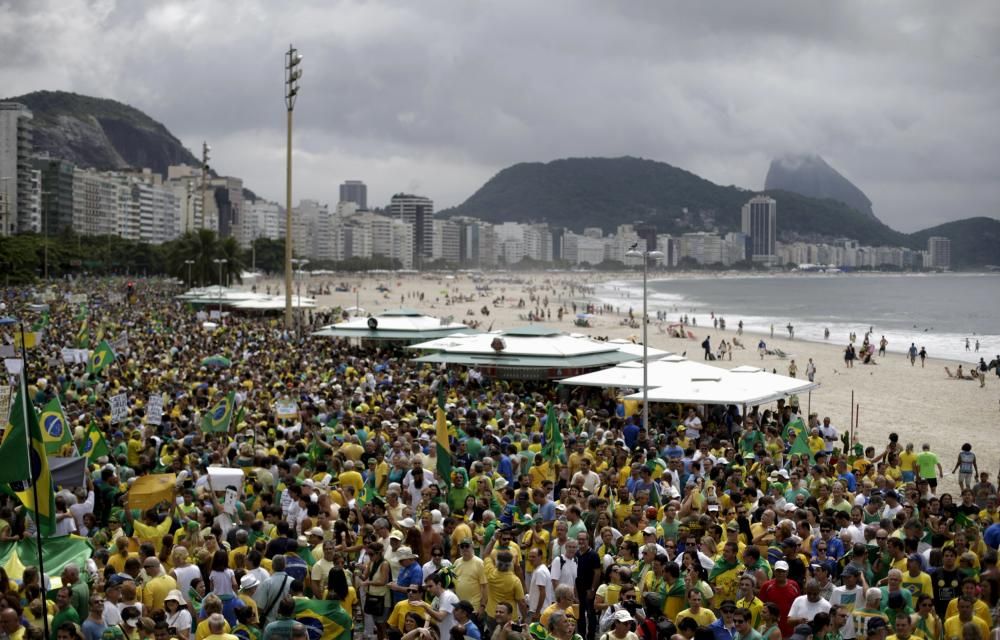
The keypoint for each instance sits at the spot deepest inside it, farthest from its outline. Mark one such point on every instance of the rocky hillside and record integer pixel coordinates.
(101, 133)
(811, 176)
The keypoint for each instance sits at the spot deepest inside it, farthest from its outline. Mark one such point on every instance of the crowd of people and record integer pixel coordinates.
(551, 512)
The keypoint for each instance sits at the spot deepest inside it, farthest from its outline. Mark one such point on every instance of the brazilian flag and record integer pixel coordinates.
(83, 335)
(218, 417)
(25, 463)
(801, 446)
(55, 429)
(94, 446)
(100, 358)
(324, 619)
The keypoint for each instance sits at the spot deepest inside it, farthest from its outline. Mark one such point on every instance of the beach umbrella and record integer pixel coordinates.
(219, 361)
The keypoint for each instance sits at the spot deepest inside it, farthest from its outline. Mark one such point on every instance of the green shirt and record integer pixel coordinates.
(68, 614)
(927, 463)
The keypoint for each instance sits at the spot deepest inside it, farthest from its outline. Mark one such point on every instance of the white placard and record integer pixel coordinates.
(229, 504)
(6, 398)
(119, 408)
(154, 409)
(14, 366)
(215, 314)
(286, 409)
(120, 344)
(75, 356)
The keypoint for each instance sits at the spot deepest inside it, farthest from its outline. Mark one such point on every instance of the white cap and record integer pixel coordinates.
(781, 565)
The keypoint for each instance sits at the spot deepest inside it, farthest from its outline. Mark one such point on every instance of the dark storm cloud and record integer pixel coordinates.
(438, 96)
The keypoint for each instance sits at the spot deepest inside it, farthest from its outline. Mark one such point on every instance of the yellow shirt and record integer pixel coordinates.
(155, 591)
(398, 616)
(704, 617)
(470, 576)
(953, 628)
(352, 479)
(202, 631)
(921, 585)
(503, 586)
(572, 612)
(153, 534)
(980, 610)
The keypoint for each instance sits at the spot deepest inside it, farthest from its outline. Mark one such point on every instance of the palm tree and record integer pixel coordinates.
(202, 247)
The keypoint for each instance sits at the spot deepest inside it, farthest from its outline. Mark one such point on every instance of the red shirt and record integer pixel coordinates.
(782, 596)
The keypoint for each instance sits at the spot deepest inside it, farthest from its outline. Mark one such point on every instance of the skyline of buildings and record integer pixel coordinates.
(39, 194)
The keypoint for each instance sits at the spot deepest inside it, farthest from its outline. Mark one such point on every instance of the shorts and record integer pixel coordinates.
(932, 482)
(965, 477)
(908, 476)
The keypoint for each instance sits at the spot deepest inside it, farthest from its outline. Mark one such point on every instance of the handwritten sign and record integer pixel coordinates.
(119, 408)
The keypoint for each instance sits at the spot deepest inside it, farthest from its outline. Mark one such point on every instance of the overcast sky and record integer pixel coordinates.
(902, 97)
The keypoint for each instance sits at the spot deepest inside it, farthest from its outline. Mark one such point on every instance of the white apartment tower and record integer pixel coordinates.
(418, 212)
(16, 211)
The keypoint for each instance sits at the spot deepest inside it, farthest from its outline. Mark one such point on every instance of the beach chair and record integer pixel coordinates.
(781, 354)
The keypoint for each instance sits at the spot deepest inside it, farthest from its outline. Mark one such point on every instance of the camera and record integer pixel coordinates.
(516, 626)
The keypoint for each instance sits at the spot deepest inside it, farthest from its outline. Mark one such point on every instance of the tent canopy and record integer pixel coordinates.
(740, 386)
(661, 372)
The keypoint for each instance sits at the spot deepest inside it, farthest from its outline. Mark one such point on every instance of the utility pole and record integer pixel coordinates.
(292, 74)
(204, 181)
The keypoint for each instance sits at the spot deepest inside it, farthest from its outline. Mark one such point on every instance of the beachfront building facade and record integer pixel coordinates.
(19, 212)
(758, 222)
(418, 212)
(939, 252)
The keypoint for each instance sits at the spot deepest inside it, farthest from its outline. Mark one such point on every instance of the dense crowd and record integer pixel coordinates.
(555, 515)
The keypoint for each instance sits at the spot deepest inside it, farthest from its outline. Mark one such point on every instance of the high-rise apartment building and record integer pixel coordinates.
(354, 191)
(939, 250)
(759, 218)
(16, 197)
(418, 212)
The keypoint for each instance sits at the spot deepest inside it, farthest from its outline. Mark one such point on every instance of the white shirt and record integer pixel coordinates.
(829, 433)
(693, 425)
(446, 602)
(564, 571)
(540, 577)
(430, 567)
(850, 600)
(802, 608)
(111, 614)
(65, 526)
(590, 479)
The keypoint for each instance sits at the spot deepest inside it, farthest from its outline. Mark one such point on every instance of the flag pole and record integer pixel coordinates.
(31, 477)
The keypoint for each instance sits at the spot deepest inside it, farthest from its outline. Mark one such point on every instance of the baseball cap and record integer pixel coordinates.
(623, 615)
(851, 570)
(781, 565)
(649, 531)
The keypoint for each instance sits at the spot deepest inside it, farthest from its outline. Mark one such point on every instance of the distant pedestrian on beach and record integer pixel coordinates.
(707, 346)
(792, 369)
(967, 347)
(791, 331)
(966, 466)
(923, 356)
(772, 331)
(929, 467)
(826, 333)
(739, 328)
(977, 345)
(882, 344)
(849, 355)
(762, 348)
(811, 370)
(913, 355)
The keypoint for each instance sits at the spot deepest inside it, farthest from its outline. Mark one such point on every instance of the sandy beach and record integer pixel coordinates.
(921, 404)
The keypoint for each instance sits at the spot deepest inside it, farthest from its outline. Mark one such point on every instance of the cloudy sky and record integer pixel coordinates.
(437, 96)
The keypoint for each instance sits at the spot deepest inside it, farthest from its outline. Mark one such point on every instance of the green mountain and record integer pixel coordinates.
(975, 242)
(605, 192)
(101, 133)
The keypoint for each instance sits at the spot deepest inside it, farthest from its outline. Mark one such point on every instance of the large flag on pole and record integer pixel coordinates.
(55, 430)
(218, 417)
(801, 446)
(554, 448)
(25, 463)
(442, 441)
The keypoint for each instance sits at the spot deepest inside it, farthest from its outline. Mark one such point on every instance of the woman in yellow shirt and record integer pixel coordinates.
(908, 463)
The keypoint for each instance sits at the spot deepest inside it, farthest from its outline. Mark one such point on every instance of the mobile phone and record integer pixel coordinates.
(516, 626)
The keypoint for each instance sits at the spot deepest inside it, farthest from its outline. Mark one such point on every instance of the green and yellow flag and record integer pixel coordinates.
(25, 463)
(94, 445)
(443, 442)
(219, 417)
(324, 619)
(55, 429)
(554, 449)
(801, 446)
(100, 358)
(83, 335)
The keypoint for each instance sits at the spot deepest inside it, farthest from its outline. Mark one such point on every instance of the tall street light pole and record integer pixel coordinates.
(645, 255)
(189, 263)
(220, 262)
(292, 74)
(204, 182)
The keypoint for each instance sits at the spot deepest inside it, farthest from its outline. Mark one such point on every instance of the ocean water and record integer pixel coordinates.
(936, 311)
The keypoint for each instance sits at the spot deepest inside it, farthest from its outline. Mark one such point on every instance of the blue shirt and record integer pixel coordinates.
(547, 512)
(631, 433)
(411, 575)
(472, 631)
(848, 477)
(719, 630)
(834, 548)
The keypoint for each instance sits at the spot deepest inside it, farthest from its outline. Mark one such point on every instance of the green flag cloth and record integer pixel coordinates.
(101, 357)
(218, 417)
(57, 554)
(554, 449)
(55, 430)
(324, 619)
(94, 445)
(25, 463)
(801, 446)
